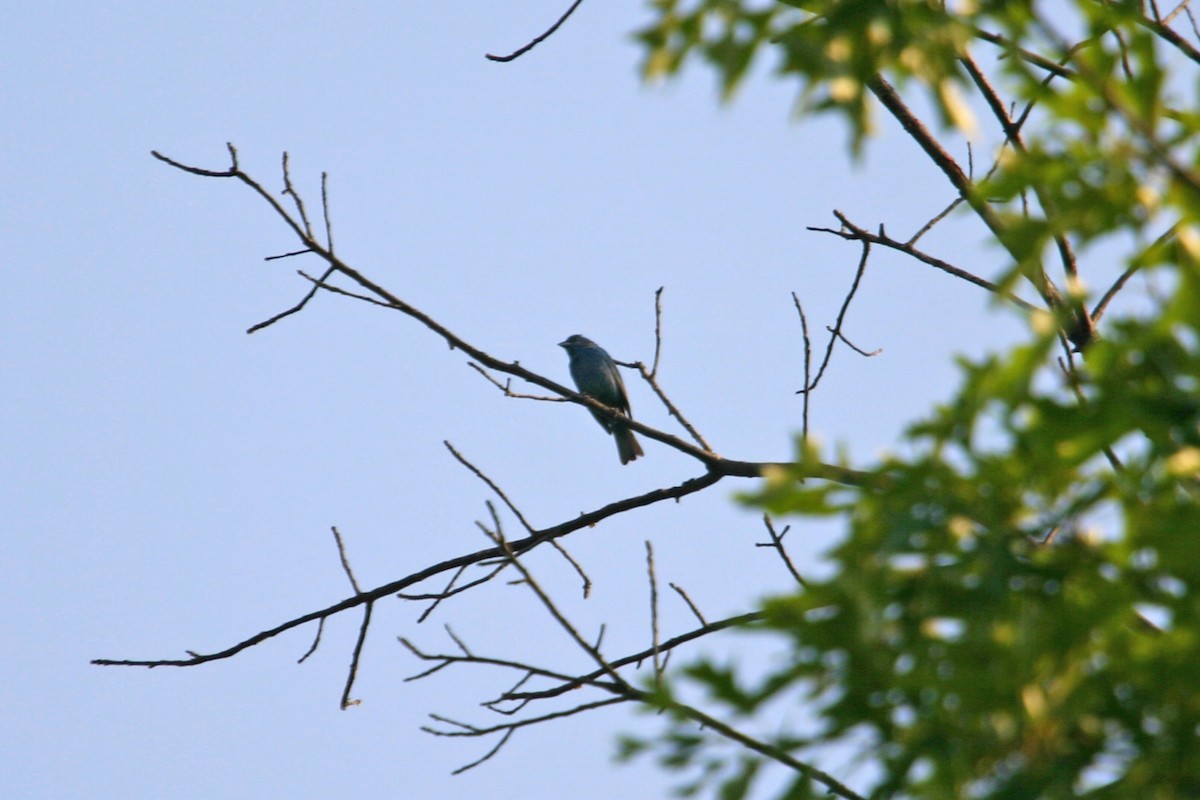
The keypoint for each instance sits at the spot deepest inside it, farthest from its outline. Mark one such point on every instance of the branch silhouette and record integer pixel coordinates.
(341, 279)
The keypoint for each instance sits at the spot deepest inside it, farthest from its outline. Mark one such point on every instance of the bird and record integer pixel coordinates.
(597, 377)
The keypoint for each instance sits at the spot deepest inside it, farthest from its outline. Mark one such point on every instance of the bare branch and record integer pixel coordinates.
(1080, 331)
(356, 657)
(341, 546)
(318, 284)
(451, 590)
(657, 330)
(1119, 284)
(1164, 32)
(538, 40)
(503, 741)
(290, 191)
(593, 651)
(232, 172)
(672, 409)
(1012, 134)
(842, 337)
(716, 466)
(292, 254)
(583, 576)
(806, 395)
(689, 602)
(1054, 69)
(658, 666)
(928, 226)
(591, 678)
(853, 232)
(1171, 14)
(325, 210)
(835, 331)
(506, 387)
(491, 485)
(1129, 272)
(444, 660)
(315, 643)
(1191, 19)
(510, 728)
(381, 296)
(767, 749)
(651, 376)
(776, 544)
(581, 522)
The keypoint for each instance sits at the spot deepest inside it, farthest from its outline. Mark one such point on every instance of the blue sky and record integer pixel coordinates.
(169, 482)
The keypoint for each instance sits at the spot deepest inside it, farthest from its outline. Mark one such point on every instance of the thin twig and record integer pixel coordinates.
(357, 656)
(292, 254)
(506, 387)
(325, 211)
(1192, 20)
(318, 284)
(841, 318)
(593, 651)
(672, 409)
(289, 190)
(928, 226)
(853, 232)
(776, 544)
(658, 666)
(1173, 13)
(503, 741)
(805, 396)
(445, 660)
(583, 576)
(1164, 32)
(1084, 329)
(315, 643)
(1119, 284)
(657, 330)
(538, 40)
(491, 485)
(341, 546)
(864, 353)
(679, 590)
(1055, 70)
(1129, 272)
(510, 727)
(591, 678)
(450, 591)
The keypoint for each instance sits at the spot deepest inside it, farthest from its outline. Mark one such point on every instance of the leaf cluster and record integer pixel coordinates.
(1014, 610)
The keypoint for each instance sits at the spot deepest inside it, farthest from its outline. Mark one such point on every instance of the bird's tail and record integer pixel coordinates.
(627, 446)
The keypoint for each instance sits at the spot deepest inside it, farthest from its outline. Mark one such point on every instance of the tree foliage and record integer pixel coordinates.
(1014, 611)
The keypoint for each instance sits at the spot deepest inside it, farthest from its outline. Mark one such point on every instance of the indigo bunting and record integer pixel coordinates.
(596, 376)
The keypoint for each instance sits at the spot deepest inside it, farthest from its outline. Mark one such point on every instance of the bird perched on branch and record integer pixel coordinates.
(596, 376)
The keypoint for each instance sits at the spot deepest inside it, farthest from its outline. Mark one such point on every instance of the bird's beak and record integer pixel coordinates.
(563, 344)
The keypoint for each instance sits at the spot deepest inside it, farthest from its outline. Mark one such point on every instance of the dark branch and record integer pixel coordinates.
(836, 330)
(518, 546)
(853, 232)
(538, 40)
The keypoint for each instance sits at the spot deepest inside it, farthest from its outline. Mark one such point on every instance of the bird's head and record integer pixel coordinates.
(575, 341)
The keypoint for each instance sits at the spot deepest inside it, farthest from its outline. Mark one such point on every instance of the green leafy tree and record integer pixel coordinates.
(1014, 610)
